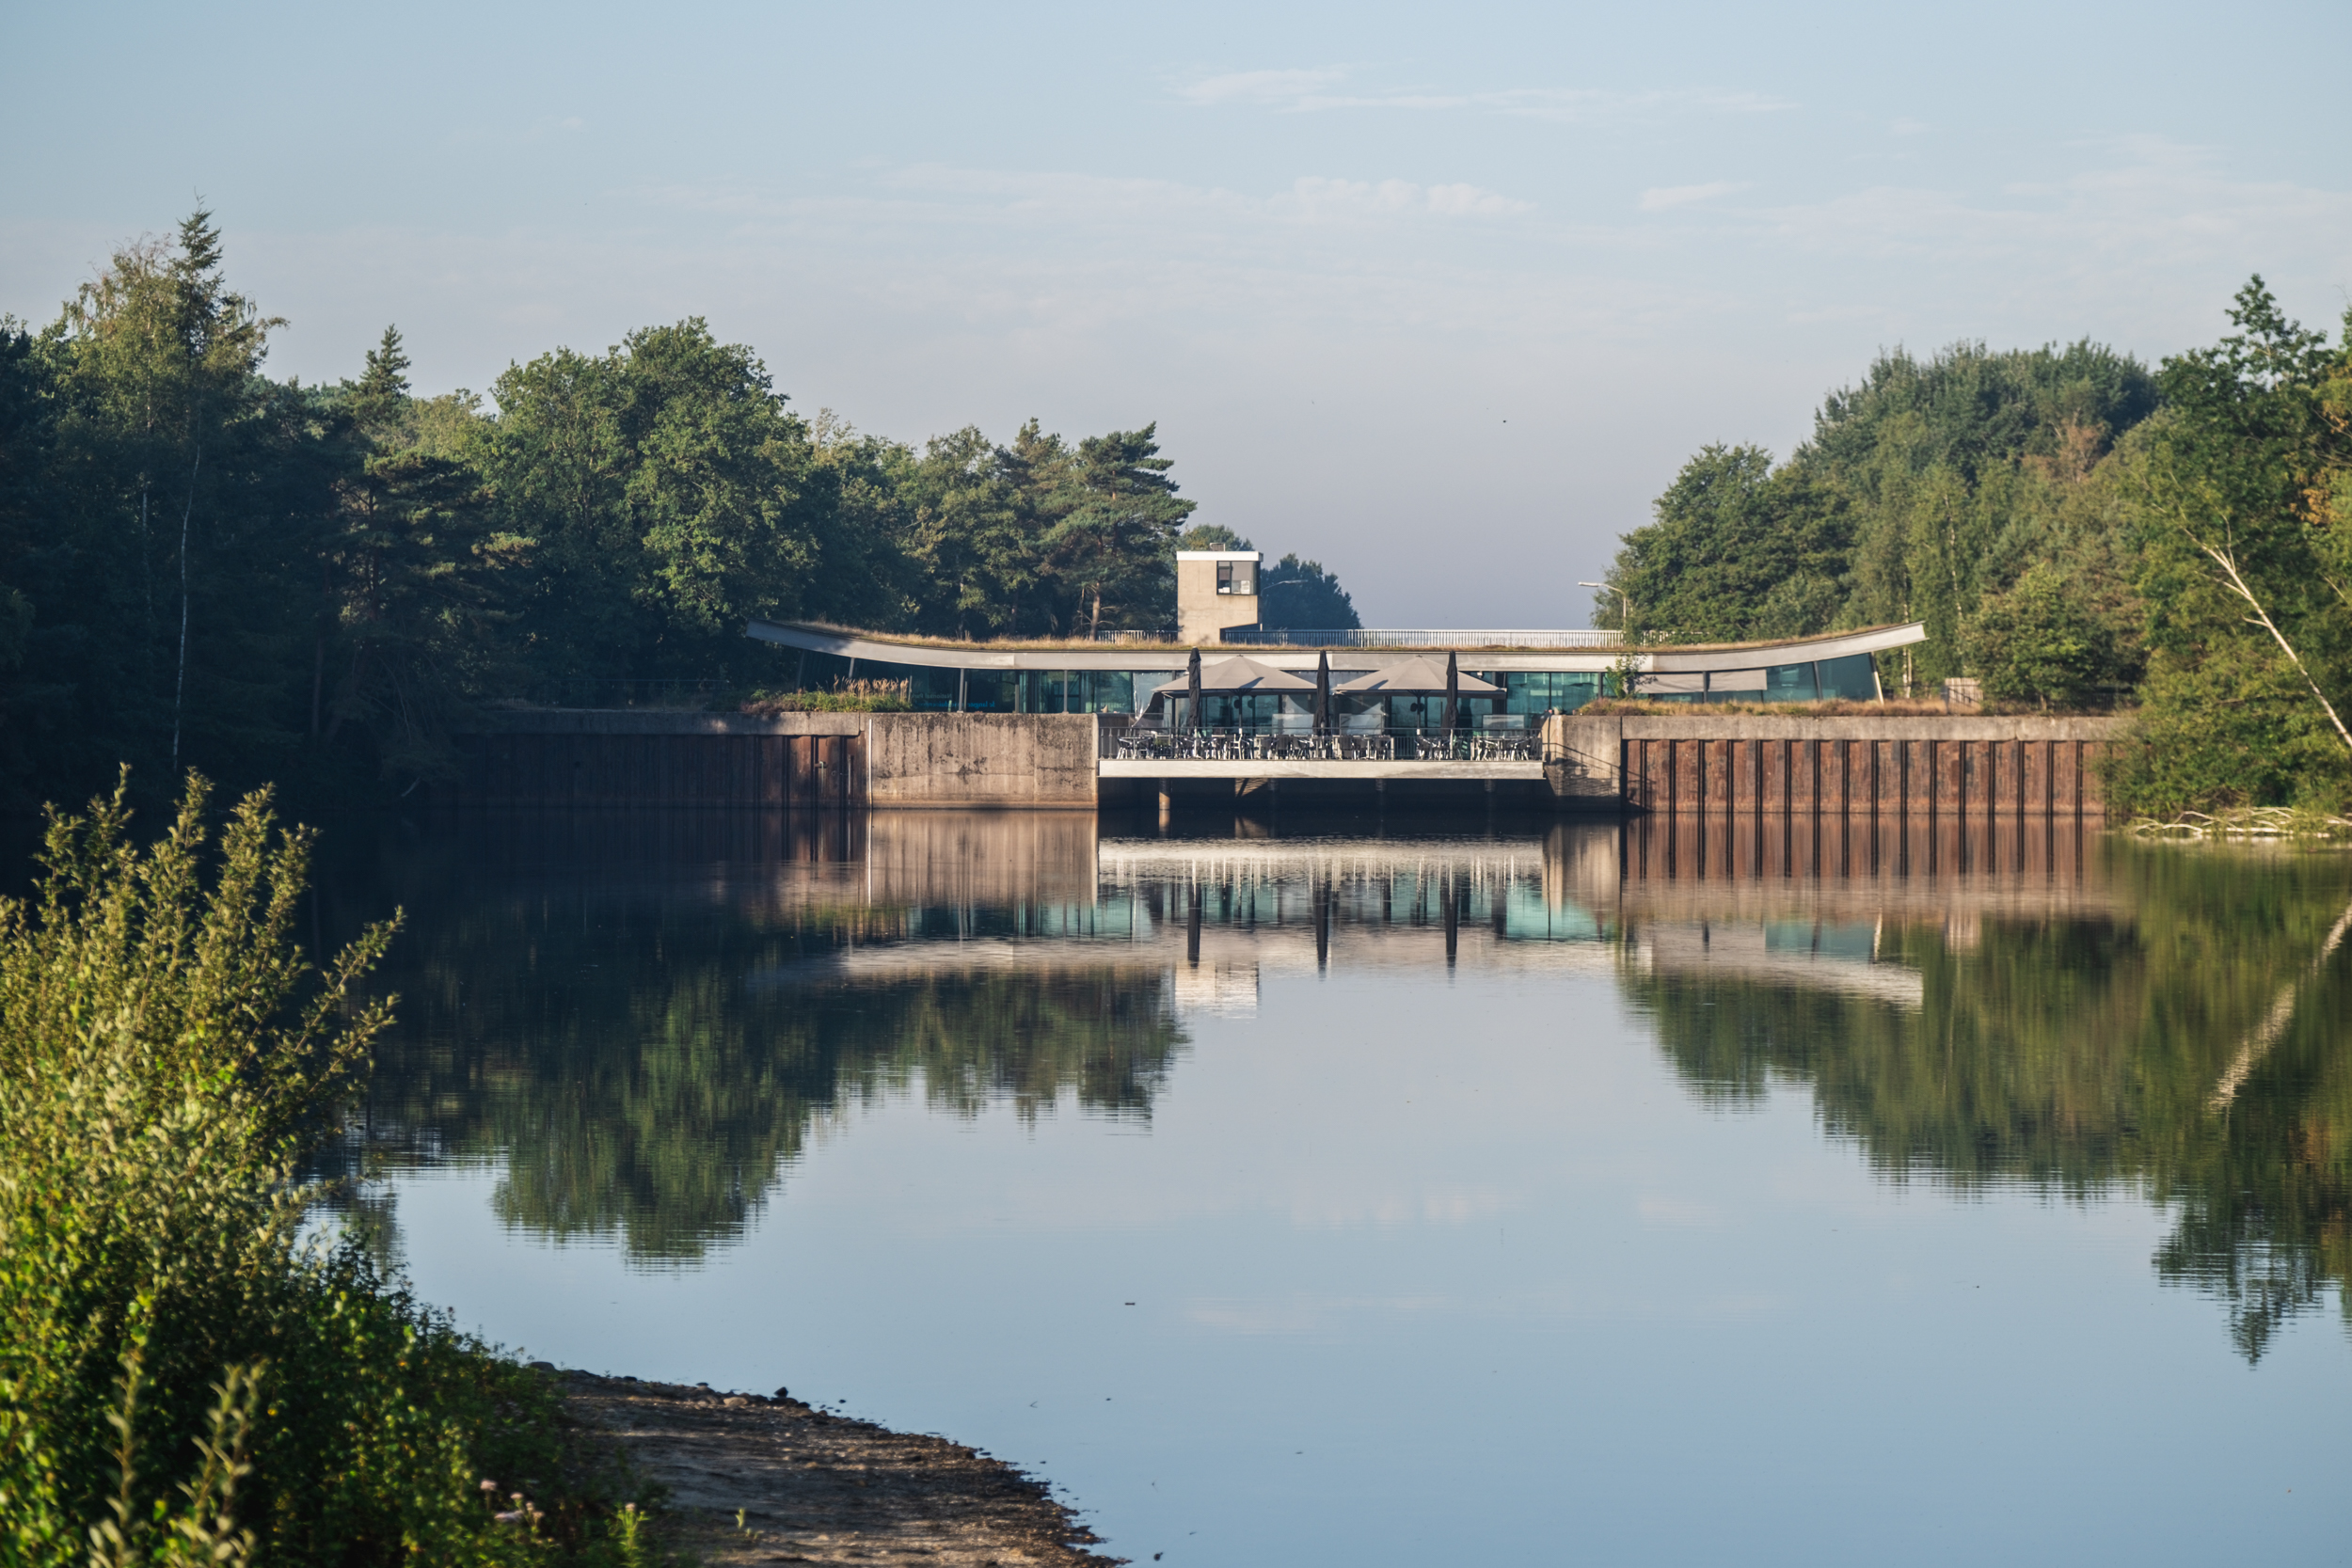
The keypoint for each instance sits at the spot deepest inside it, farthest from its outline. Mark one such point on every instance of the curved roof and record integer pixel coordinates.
(940, 653)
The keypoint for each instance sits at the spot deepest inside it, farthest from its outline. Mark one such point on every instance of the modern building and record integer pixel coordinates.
(1535, 672)
(1216, 591)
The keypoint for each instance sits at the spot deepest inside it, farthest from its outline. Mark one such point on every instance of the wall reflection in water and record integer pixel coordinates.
(640, 1020)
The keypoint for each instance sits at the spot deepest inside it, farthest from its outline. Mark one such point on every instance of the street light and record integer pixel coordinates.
(1625, 608)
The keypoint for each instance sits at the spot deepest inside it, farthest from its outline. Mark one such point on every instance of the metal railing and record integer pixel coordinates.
(1142, 744)
(1389, 637)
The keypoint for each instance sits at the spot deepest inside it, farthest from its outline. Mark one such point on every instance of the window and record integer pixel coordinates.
(1237, 577)
(1850, 677)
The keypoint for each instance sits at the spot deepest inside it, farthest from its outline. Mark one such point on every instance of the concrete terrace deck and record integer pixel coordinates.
(1262, 768)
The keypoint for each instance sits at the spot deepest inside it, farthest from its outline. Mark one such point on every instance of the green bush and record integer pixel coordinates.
(182, 1377)
(846, 697)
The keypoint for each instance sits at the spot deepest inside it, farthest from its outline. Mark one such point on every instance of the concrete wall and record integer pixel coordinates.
(980, 759)
(1705, 763)
(641, 757)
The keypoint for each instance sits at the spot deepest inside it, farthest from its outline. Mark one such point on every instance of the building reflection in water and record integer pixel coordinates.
(642, 1021)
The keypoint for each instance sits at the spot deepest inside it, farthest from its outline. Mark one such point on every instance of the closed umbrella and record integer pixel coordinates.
(1323, 691)
(1192, 689)
(1452, 693)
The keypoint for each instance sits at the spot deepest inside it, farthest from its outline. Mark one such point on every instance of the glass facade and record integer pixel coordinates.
(1084, 691)
(1545, 690)
(1849, 679)
(1530, 692)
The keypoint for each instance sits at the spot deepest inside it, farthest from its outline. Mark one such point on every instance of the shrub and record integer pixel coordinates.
(182, 1378)
(846, 697)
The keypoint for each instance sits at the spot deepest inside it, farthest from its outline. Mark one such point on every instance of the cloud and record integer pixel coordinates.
(2150, 205)
(1283, 89)
(1659, 197)
(1323, 89)
(1321, 198)
(1470, 201)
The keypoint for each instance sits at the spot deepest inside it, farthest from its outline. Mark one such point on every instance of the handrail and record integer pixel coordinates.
(1384, 637)
(1138, 743)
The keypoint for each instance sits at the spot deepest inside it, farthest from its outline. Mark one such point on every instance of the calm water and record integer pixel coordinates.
(1562, 1195)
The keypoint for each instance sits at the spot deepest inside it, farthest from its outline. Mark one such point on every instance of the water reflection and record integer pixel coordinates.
(2075, 1015)
(642, 1021)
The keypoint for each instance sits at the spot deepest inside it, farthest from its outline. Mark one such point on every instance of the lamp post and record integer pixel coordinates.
(1625, 608)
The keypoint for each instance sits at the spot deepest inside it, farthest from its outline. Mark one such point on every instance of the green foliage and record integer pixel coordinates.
(2246, 565)
(1296, 592)
(2068, 527)
(1211, 536)
(1737, 552)
(1114, 546)
(669, 495)
(1925, 492)
(2038, 641)
(414, 566)
(847, 697)
(319, 585)
(181, 1379)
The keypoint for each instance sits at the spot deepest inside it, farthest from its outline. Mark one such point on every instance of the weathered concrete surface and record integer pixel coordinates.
(980, 759)
(644, 757)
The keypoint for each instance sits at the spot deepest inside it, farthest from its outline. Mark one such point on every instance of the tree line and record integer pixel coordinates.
(202, 566)
(2075, 531)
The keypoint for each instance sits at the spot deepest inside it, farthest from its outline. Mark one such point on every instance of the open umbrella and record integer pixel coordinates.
(1323, 691)
(1192, 689)
(1416, 676)
(1241, 677)
(1452, 693)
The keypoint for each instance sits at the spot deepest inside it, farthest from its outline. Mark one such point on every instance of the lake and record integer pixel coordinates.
(1536, 1193)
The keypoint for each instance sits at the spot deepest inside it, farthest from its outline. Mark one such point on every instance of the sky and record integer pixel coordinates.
(1441, 295)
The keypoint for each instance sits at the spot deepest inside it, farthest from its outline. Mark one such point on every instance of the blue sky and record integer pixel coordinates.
(1440, 294)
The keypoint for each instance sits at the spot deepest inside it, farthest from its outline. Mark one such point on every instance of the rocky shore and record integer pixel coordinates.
(760, 1480)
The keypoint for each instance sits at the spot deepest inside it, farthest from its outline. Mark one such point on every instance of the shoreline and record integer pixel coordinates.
(814, 1487)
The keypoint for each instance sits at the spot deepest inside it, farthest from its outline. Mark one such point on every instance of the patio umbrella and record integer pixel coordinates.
(1192, 689)
(1322, 691)
(1419, 675)
(1453, 692)
(1241, 675)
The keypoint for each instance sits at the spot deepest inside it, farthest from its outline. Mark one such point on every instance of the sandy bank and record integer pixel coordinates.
(820, 1488)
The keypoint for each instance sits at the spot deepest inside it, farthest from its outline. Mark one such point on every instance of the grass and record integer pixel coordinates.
(183, 1379)
(844, 697)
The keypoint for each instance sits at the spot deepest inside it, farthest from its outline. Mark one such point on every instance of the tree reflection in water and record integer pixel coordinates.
(639, 1020)
(2182, 1025)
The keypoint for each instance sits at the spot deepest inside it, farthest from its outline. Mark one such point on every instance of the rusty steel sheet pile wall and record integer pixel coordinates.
(1961, 769)
(798, 761)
